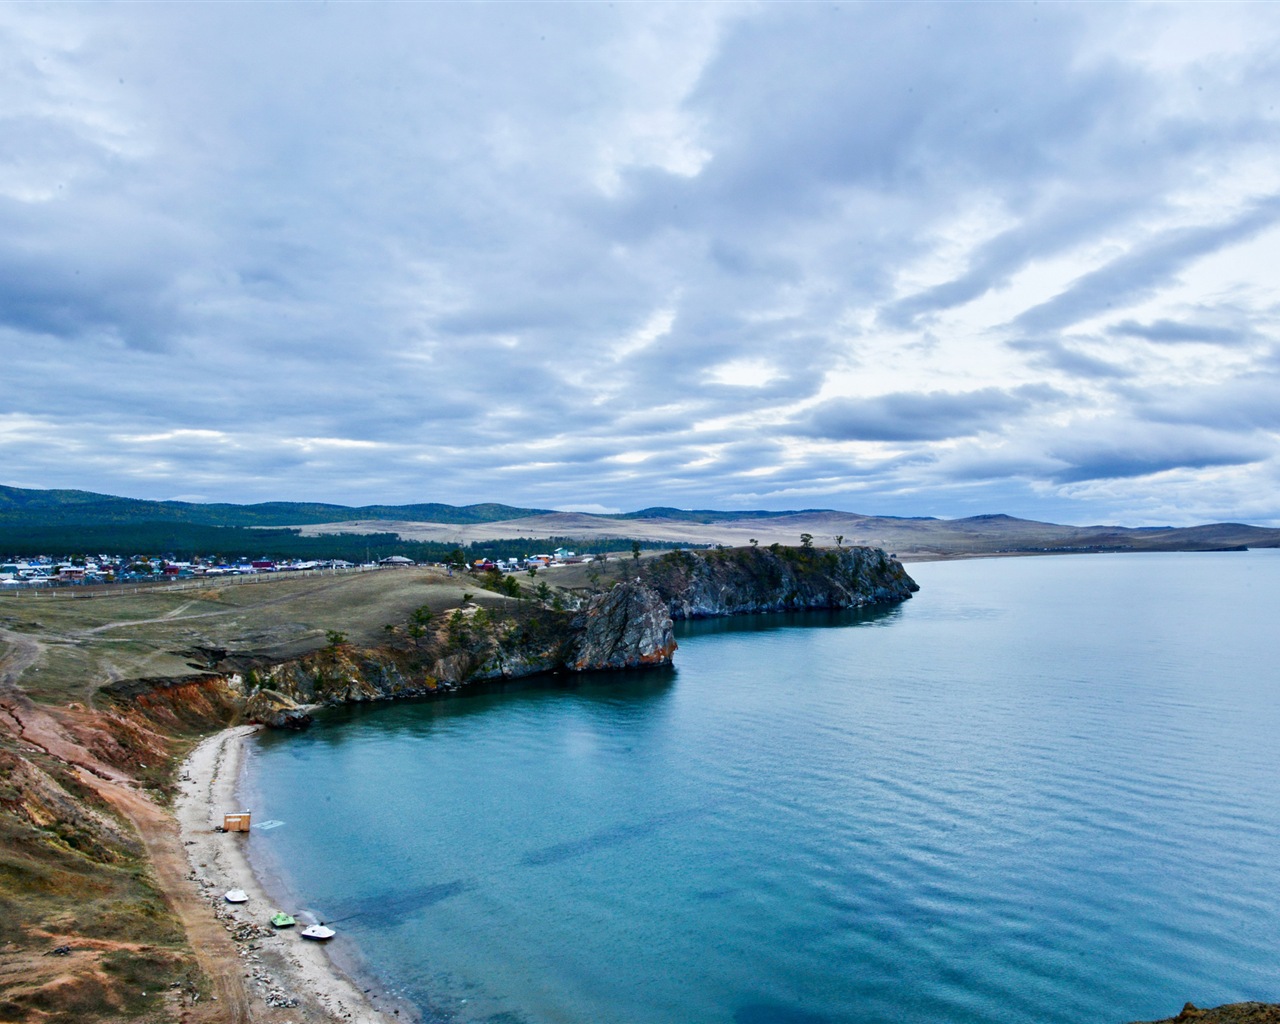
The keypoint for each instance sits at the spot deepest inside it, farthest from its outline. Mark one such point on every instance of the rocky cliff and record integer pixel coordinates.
(739, 581)
(626, 627)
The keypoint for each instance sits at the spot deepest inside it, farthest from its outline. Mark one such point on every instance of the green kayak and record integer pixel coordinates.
(283, 920)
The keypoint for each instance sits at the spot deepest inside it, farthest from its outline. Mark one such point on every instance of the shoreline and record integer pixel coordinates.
(286, 977)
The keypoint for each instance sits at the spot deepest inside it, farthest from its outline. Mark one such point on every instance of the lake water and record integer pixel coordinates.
(1044, 790)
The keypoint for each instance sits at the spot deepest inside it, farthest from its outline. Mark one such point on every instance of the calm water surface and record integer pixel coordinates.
(1043, 790)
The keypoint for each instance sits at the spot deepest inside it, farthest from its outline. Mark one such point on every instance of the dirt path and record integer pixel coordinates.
(217, 954)
(172, 616)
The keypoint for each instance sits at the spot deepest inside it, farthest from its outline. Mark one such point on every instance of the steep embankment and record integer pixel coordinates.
(88, 861)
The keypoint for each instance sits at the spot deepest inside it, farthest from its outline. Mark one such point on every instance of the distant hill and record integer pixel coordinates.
(20, 506)
(687, 515)
(708, 516)
(433, 524)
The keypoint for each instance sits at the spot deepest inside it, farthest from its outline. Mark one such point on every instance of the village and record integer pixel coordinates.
(49, 571)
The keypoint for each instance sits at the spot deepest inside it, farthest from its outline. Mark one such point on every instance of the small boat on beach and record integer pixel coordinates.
(318, 932)
(236, 896)
(282, 920)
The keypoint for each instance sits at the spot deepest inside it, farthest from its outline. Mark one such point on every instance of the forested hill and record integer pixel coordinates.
(23, 507)
(40, 521)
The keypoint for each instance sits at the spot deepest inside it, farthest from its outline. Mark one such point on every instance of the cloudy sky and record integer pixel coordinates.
(889, 258)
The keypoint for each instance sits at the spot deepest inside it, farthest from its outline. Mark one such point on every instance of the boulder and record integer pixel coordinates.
(276, 711)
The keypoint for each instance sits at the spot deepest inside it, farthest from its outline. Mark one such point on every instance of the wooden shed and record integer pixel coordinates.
(236, 822)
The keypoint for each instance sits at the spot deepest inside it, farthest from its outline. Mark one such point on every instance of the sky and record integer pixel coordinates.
(890, 258)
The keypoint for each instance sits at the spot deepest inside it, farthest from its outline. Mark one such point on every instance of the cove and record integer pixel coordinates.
(1043, 790)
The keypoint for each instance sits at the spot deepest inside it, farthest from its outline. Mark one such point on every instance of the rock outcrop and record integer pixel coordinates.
(740, 581)
(626, 627)
(1232, 1013)
(274, 709)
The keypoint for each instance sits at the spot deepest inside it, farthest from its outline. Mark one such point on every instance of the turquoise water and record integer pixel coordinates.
(1043, 790)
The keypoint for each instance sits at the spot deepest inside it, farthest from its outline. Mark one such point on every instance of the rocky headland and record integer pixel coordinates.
(748, 580)
(627, 626)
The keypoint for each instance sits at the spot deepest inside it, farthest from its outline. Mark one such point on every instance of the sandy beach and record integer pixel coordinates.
(285, 977)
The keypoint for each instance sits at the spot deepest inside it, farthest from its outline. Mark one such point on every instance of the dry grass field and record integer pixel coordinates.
(71, 645)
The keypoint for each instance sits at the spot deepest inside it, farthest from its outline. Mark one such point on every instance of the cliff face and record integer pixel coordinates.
(775, 579)
(623, 628)
(626, 627)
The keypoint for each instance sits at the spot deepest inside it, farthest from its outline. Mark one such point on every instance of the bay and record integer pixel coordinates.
(1045, 789)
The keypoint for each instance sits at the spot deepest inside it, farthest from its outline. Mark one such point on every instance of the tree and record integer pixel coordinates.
(839, 539)
(806, 540)
(754, 542)
(458, 633)
(543, 592)
(458, 557)
(635, 550)
(334, 638)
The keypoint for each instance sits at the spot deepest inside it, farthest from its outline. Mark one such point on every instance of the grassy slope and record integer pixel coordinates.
(83, 644)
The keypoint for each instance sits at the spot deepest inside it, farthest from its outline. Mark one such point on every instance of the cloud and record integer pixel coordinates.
(583, 255)
(1098, 455)
(1244, 404)
(1060, 355)
(1174, 332)
(1145, 268)
(931, 416)
(1067, 222)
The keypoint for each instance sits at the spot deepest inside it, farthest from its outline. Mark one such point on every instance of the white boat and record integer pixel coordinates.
(318, 932)
(237, 896)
